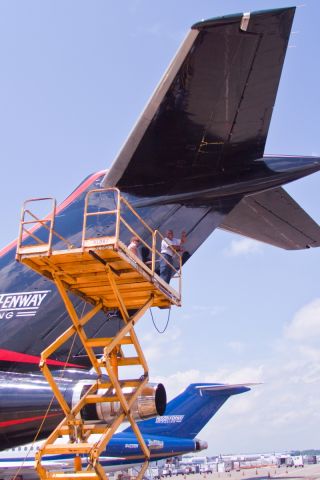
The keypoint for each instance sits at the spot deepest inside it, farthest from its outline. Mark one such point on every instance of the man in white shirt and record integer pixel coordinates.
(169, 247)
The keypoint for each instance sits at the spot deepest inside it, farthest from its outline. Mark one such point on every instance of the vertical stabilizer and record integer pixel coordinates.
(189, 412)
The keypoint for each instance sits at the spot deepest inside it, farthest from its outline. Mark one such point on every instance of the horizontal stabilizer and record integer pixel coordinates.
(232, 389)
(273, 217)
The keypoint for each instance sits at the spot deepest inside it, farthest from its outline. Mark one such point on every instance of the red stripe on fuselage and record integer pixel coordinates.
(9, 423)
(63, 205)
(11, 356)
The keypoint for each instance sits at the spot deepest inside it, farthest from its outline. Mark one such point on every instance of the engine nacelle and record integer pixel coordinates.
(25, 398)
(201, 445)
(150, 403)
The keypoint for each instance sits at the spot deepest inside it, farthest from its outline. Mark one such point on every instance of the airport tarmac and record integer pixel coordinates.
(308, 472)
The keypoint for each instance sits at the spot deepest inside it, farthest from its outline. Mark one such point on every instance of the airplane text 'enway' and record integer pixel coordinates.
(21, 304)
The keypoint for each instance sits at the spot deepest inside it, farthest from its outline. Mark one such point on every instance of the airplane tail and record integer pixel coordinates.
(189, 412)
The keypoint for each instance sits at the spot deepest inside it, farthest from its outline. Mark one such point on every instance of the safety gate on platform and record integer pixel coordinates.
(107, 275)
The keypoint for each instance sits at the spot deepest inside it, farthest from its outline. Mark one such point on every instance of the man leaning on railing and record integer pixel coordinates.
(134, 246)
(169, 247)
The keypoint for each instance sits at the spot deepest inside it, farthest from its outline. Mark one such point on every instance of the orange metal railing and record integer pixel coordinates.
(150, 239)
(108, 220)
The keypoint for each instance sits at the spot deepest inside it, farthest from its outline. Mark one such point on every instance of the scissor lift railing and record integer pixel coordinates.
(107, 275)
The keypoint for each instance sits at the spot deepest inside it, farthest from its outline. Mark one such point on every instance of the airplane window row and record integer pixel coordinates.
(18, 449)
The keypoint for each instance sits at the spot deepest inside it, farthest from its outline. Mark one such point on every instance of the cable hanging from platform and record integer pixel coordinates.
(167, 322)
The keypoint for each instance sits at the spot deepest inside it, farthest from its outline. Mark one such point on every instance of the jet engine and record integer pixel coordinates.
(200, 444)
(151, 402)
(25, 398)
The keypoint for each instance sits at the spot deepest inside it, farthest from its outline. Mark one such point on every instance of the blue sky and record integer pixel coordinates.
(75, 75)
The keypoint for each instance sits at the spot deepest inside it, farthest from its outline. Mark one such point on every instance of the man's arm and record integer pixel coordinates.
(177, 246)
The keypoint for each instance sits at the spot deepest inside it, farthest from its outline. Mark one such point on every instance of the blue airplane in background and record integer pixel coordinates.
(169, 435)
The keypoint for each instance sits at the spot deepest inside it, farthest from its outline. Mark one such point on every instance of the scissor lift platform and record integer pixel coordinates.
(104, 272)
(84, 272)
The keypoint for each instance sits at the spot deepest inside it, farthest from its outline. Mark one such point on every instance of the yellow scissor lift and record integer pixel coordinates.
(104, 273)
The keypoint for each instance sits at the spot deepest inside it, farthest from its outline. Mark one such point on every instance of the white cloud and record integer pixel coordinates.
(305, 323)
(281, 413)
(246, 374)
(310, 353)
(244, 246)
(178, 381)
(154, 344)
(236, 346)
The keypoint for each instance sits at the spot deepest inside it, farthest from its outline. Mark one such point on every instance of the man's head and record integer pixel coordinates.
(169, 234)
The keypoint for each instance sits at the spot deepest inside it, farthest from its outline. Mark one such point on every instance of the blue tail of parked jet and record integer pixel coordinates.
(189, 412)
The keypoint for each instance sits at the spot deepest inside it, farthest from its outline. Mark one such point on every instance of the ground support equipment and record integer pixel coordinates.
(104, 273)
